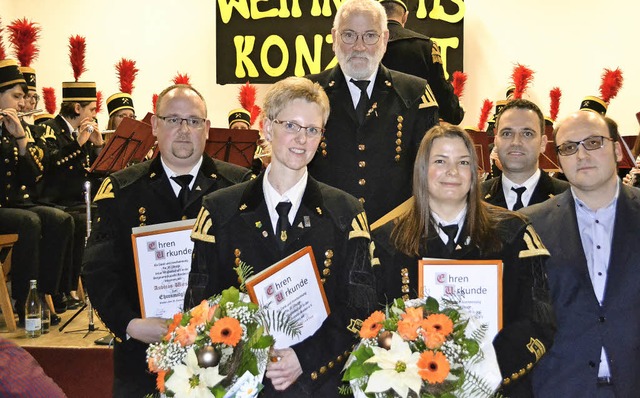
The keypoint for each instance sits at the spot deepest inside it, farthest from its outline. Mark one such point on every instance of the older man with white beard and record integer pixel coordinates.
(378, 116)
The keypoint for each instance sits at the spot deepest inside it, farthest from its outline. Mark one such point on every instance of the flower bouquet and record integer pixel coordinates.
(218, 349)
(417, 349)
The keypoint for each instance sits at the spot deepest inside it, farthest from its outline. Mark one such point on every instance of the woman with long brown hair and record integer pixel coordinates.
(448, 219)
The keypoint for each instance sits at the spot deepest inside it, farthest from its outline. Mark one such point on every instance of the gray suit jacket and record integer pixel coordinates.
(570, 368)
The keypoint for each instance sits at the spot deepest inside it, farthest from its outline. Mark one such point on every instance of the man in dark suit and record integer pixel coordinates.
(373, 132)
(591, 232)
(147, 193)
(245, 223)
(418, 55)
(519, 140)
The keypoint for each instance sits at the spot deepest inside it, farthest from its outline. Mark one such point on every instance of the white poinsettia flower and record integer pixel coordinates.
(399, 368)
(191, 381)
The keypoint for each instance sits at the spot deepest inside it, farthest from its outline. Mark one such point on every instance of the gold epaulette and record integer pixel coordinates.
(105, 191)
(534, 244)
(360, 227)
(202, 226)
(428, 99)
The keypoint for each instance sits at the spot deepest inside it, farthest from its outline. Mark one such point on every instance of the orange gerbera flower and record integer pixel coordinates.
(200, 313)
(433, 340)
(372, 325)
(226, 331)
(438, 323)
(433, 367)
(177, 318)
(160, 380)
(186, 335)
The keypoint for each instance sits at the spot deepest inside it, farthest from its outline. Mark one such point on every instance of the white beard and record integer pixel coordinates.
(359, 72)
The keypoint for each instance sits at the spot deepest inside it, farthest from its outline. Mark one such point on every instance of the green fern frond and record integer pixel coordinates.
(345, 389)
(279, 321)
(475, 386)
(244, 271)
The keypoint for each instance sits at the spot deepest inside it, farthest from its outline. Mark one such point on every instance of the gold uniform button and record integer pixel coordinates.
(361, 200)
(327, 262)
(339, 358)
(23, 188)
(399, 134)
(362, 147)
(314, 376)
(362, 181)
(142, 210)
(237, 261)
(143, 218)
(323, 370)
(328, 253)
(399, 126)
(398, 141)
(398, 149)
(397, 158)
(6, 160)
(324, 153)
(8, 174)
(400, 119)
(184, 217)
(323, 280)
(331, 364)
(362, 164)
(326, 272)
(323, 145)
(237, 252)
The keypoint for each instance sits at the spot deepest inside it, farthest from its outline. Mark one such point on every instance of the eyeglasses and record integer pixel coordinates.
(294, 128)
(175, 121)
(122, 116)
(32, 97)
(351, 37)
(590, 144)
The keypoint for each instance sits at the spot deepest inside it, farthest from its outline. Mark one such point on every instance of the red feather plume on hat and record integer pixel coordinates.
(484, 114)
(521, 77)
(182, 79)
(247, 98)
(3, 53)
(23, 35)
(77, 49)
(127, 73)
(98, 101)
(154, 99)
(458, 82)
(49, 96)
(555, 95)
(611, 84)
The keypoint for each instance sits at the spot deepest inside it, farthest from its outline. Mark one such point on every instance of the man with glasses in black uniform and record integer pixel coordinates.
(370, 144)
(592, 234)
(168, 188)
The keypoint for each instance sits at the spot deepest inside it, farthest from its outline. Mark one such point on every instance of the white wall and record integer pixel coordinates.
(567, 43)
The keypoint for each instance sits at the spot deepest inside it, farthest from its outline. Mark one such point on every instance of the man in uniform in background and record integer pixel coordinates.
(519, 140)
(418, 55)
(168, 188)
(370, 144)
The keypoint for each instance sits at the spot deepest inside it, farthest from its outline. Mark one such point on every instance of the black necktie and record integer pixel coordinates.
(519, 192)
(451, 231)
(283, 223)
(361, 108)
(184, 181)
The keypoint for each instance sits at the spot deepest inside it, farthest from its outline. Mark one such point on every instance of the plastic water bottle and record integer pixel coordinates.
(33, 312)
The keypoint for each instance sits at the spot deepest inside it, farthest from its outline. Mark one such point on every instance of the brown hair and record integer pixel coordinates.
(481, 219)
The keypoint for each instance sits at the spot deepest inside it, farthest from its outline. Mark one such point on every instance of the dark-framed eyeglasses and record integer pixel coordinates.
(294, 128)
(351, 37)
(123, 115)
(590, 144)
(175, 121)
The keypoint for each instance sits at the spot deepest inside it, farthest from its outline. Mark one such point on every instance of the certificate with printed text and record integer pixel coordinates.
(292, 285)
(162, 254)
(476, 285)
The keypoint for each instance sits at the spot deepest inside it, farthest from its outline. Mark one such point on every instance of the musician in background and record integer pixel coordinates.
(45, 233)
(168, 188)
(519, 140)
(73, 141)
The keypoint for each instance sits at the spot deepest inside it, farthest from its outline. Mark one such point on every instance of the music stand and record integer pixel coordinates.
(548, 159)
(232, 145)
(628, 161)
(481, 143)
(129, 144)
